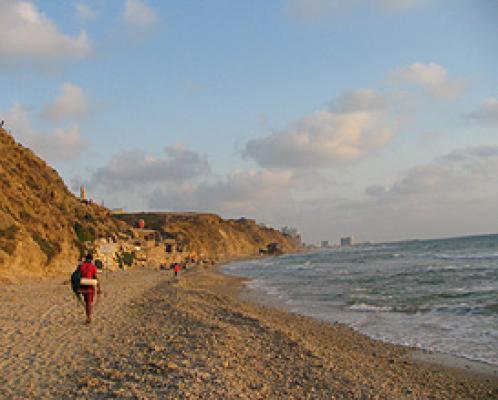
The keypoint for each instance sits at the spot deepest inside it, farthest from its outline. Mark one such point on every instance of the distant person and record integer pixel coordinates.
(176, 269)
(2, 123)
(88, 270)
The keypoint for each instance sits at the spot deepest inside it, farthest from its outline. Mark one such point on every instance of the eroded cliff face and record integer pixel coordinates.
(43, 227)
(209, 237)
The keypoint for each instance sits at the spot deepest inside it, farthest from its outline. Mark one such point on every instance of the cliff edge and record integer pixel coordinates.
(44, 228)
(209, 237)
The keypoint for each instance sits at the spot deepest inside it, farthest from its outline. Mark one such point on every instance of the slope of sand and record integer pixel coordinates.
(154, 337)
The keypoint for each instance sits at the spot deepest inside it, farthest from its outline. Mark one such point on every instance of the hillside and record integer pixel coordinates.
(43, 226)
(45, 229)
(208, 236)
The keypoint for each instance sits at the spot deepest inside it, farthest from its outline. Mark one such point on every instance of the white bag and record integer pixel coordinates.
(88, 282)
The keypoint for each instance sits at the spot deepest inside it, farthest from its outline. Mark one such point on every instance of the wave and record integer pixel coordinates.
(364, 307)
(493, 256)
(272, 291)
(403, 294)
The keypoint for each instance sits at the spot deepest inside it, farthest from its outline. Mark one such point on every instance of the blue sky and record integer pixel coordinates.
(376, 118)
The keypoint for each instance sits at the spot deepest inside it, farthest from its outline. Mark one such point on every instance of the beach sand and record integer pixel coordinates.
(197, 337)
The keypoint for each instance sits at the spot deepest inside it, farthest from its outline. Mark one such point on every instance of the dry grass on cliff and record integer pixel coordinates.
(210, 236)
(42, 224)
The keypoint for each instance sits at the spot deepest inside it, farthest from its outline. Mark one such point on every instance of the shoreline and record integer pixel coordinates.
(429, 358)
(455, 371)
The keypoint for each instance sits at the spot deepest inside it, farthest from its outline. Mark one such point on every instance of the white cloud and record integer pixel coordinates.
(57, 145)
(472, 168)
(487, 112)
(432, 77)
(85, 12)
(454, 194)
(71, 103)
(360, 100)
(354, 127)
(239, 193)
(27, 36)
(138, 14)
(137, 168)
(181, 179)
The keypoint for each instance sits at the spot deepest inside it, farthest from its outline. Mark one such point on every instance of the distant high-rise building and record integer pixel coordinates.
(346, 241)
(325, 243)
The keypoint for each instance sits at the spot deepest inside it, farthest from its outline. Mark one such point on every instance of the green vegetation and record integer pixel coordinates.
(99, 264)
(81, 248)
(7, 237)
(9, 233)
(49, 248)
(84, 235)
(88, 217)
(128, 258)
(125, 259)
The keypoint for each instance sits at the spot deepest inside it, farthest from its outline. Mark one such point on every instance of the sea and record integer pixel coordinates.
(439, 295)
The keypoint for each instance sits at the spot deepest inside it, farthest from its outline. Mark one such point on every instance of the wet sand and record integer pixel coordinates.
(430, 359)
(155, 337)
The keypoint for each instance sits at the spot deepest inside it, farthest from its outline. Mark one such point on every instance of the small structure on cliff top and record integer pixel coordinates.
(83, 194)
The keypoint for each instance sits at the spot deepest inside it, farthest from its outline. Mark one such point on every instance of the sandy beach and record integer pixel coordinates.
(196, 337)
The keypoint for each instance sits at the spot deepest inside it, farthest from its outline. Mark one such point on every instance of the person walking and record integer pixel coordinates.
(88, 270)
(176, 269)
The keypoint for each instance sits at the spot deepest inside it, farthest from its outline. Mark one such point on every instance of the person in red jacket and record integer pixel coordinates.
(89, 270)
(176, 269)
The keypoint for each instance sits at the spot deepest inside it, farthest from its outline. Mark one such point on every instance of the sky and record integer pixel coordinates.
(371, 118)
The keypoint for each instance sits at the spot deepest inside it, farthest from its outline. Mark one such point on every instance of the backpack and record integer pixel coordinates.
(76, 280)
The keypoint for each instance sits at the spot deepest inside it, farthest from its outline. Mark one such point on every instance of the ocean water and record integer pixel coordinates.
(440, 295)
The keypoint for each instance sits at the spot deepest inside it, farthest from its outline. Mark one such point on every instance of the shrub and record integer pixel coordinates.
(9, 233)
(49, 248)
(99, 264)
(88, 217)
(84, 235)
(7, 239)
(128, 258)
(81, 248)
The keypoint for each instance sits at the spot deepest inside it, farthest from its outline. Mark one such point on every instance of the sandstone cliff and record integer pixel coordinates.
(45, 229)
(43, 226)
(207, 236)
